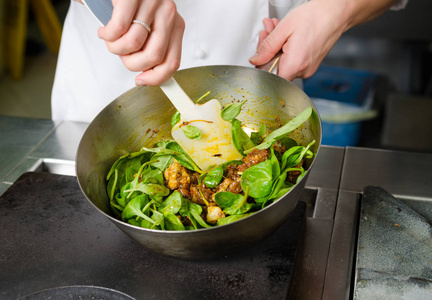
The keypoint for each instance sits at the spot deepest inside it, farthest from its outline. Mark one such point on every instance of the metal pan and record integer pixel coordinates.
(141, 117)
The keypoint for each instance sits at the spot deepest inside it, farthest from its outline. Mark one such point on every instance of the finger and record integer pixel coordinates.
(289, 68)
(268, 25)
(262, 35)
(270, 46)
(169, 66)
(275, 21)
(121, 19)
(134, 39)
(155, 48)
(296, 62)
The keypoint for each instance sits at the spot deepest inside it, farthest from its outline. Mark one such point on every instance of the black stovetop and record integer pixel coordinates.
(53, 238)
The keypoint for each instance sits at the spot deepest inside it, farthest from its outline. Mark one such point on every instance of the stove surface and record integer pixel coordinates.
(394, 251)
(53, 238)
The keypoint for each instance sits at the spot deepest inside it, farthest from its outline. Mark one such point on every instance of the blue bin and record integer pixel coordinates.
(344, 99)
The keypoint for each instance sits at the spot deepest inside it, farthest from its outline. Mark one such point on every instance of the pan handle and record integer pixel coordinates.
(272, 65)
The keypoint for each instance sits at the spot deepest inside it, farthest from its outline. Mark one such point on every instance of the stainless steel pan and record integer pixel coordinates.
(141, 117)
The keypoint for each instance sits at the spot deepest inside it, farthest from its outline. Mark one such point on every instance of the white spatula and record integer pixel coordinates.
(215, 145)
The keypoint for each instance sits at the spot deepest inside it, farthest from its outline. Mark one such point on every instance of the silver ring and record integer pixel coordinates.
(146, 26)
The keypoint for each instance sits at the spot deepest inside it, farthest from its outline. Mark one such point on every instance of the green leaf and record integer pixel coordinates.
(290, 126)
(277, 185)
(134, 222)
(152, 176)
(288, 142)
(172, 222)
(172, 204)
(232, 204)
(232, 219)
(182, 157)
(213, 177)
(276, 170)
(134, 209)
(197, 217)
(122, 200)
(151, 189)
(191, 132)
(158, 218)
(259, 179)
(162, 161)
(231, 111)
(175, 118)
(241, 140)
(290, 156)
(293, 156)
(262, 146)
(257, 137)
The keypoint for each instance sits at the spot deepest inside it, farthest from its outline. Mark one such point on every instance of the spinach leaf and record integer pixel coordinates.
(231, 111)
(259, 179)
(290, 156)
(262, 146)
(159, 219)
(231, 219)
(232, 204)
(112, 184)
(172, 204)
(192, 132)
(193, 212)
(288, 142)
(172, 222)
(134, 209)
(257, 137)
(276, 170)
(290, 126)
(293, 156)
(134, 222)
(213, 177)
(241, 140)
(115, 166)
(116, 208)
(162, 161)
(283, 131)
(151, 189)
(175, 118)
(182, 157)
(194, 216)
(300, 177)
(152, 176)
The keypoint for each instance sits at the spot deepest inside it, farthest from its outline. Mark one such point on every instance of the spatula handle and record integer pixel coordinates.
(177, 96)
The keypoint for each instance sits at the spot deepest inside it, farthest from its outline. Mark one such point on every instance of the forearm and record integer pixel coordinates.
(354, 12)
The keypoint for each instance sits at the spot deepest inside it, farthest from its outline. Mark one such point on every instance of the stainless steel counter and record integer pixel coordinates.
(29, 144)
(333, 193)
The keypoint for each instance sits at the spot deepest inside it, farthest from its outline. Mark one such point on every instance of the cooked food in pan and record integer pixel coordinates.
(162, 188)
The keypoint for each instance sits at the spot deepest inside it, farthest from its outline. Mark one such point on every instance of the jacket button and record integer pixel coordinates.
(200, 53)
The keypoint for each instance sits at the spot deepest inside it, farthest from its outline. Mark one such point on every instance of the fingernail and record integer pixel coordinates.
(254, 57)
(139, 82)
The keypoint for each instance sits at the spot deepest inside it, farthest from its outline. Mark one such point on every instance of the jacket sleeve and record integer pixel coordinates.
(399, 4)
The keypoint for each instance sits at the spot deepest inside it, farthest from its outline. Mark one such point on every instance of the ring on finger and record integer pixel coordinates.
(146, 26)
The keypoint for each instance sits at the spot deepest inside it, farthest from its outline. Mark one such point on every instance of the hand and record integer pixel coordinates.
(156, 54)
(305, 35)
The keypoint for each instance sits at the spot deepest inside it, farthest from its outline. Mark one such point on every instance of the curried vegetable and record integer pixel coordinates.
(162, 188)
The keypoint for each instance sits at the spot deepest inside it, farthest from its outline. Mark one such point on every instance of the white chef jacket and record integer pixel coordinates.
(88, 77)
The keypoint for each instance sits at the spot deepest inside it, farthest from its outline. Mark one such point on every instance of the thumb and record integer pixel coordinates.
(267, 49)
